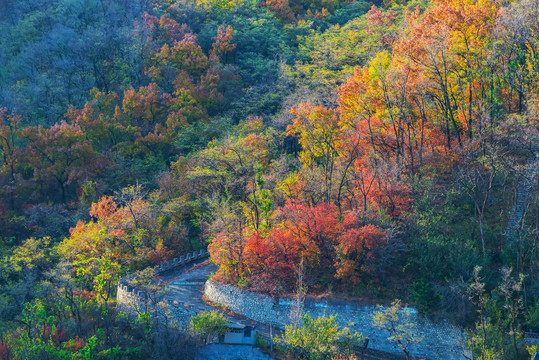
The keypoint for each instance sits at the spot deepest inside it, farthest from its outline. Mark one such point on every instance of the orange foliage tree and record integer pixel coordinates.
(313, 240)
(355, 247)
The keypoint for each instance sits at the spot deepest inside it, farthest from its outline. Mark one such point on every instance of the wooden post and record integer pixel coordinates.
(271, 338)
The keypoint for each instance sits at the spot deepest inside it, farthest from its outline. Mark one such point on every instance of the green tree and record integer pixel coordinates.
(319, 338)
(398, 322)
(498, 330)
(209, 325)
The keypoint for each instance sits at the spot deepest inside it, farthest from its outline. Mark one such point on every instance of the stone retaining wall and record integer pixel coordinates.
(441, 340)
(129, 299)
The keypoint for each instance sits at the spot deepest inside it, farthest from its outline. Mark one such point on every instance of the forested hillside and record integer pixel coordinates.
(365, 150)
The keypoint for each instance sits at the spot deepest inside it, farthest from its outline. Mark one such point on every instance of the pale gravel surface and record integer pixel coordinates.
(187, 285)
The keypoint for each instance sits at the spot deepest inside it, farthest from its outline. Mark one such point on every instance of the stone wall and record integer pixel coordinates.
(182, 313)
(441, 340)
(129, 299)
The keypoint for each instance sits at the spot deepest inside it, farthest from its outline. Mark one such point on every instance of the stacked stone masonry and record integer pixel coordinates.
(521, 199)
(441, 340)
(130, 299)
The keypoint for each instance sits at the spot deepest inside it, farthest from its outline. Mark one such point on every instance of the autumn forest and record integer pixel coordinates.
(374, 150)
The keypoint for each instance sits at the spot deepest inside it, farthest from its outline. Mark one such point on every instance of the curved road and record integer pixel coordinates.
(187, 285)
